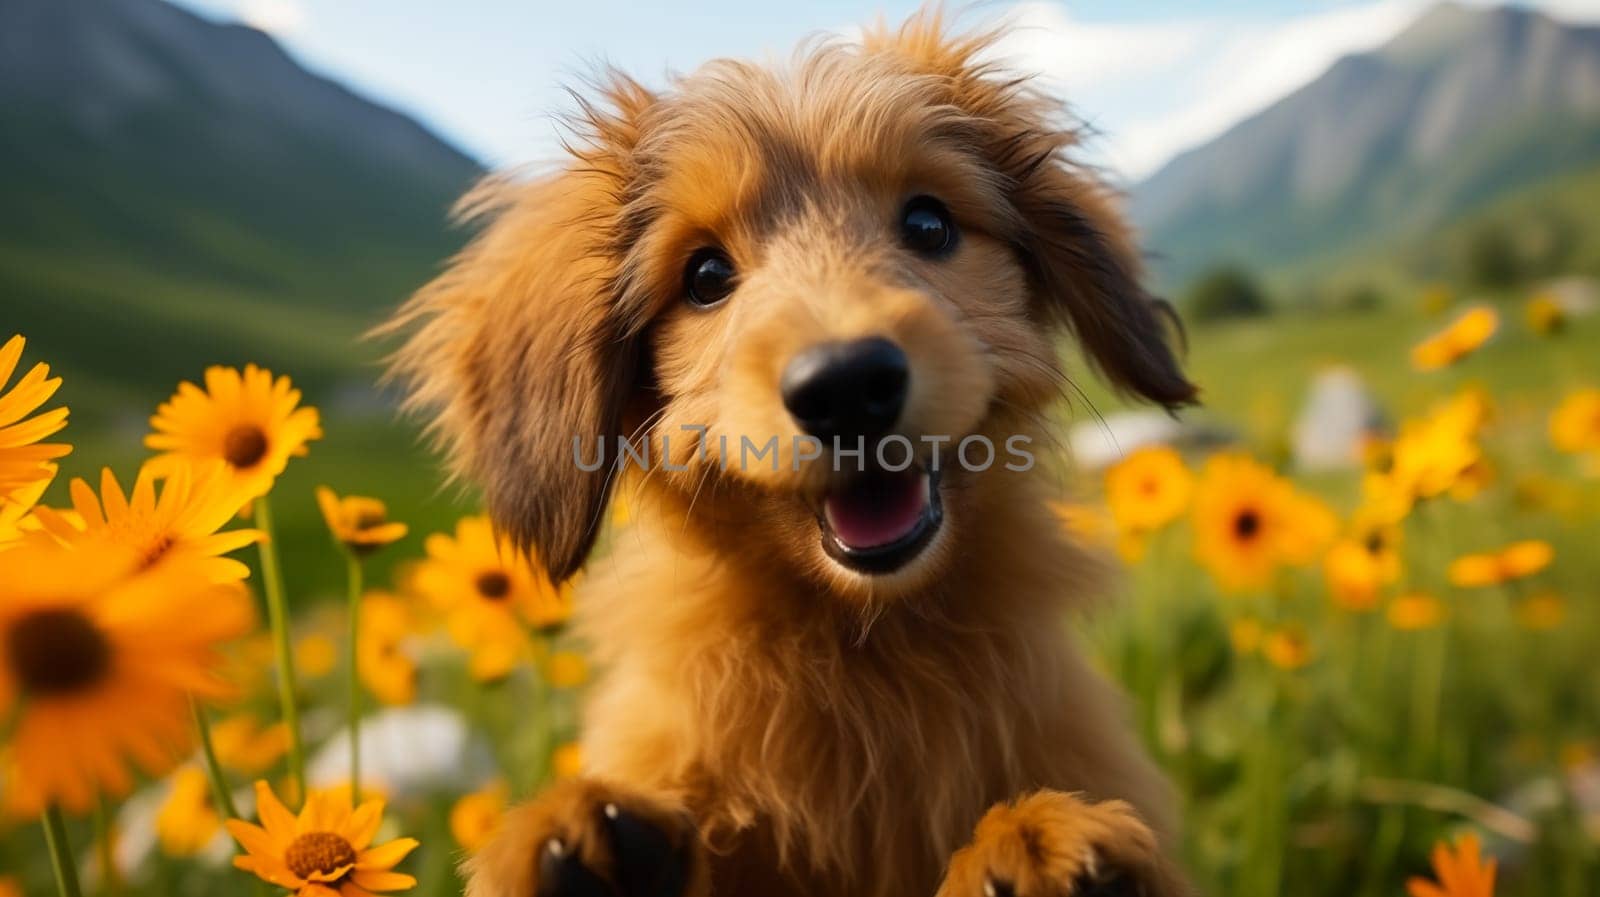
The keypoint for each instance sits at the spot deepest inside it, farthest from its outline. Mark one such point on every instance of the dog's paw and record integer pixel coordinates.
(589, 839)
(1051, 844)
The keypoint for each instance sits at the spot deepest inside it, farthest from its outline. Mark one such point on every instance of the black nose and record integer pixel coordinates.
(847, 389)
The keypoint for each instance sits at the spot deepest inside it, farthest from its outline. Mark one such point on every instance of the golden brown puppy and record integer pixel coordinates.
(817, 680)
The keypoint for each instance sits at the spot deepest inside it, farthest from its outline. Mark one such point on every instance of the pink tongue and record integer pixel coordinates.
(877, 511)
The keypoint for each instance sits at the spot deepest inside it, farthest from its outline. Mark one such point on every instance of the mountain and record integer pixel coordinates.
(181, 192)
(1466, 105)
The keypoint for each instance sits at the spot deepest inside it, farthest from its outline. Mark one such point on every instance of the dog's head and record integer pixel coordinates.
(758, 273)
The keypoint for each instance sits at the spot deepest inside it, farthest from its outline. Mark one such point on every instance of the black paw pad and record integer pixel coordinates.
(647, 862)
(1110, 883)
(563, 874)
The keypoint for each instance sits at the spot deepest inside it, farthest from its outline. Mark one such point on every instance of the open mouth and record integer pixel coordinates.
(878, 521)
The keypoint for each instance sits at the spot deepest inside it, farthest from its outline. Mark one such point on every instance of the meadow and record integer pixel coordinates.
(1327, 721)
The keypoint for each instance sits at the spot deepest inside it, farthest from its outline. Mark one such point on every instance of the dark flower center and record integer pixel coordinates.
(244, 446)
(494, 585)
(367, 520)
(1374, 543)
(56, 652)
(157, 550)
(318, 853)
(1247, 524)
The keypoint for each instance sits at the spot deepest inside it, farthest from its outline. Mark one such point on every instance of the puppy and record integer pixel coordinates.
(824, 667)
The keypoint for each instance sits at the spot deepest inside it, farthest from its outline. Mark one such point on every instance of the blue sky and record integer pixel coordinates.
(1153, 76)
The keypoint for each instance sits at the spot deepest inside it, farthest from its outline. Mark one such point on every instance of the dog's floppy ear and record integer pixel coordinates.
(1082, 261)
(518, 347)
(1087, 273)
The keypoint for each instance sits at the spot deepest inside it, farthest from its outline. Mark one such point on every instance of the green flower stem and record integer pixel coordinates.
(105, 852)
(352, 674)
(278, 616)
(221, 794)
(55, 837)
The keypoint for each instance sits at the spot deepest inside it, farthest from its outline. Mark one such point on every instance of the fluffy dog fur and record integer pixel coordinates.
(827, 732)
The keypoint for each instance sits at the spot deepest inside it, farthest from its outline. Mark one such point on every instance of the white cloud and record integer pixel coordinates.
(1085, 54)
(275, 17)
(1155, 89)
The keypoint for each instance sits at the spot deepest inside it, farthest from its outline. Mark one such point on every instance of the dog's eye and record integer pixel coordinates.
(709, 277)
(926, 227)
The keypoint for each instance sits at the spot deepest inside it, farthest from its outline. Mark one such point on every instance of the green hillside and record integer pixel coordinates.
(1382, 148)
(181, 193)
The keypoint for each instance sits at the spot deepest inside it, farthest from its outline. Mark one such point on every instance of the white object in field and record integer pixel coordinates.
(406, 751)
(1099, 442)
(1339, 416)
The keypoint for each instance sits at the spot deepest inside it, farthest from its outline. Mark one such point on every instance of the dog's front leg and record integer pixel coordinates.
(588, 838)
(1053, 844)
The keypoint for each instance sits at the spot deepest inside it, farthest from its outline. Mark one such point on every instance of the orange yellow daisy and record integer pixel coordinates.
(17, 517)
(1459, 871)
(91, 645)
(325, 850)
(359, 523)
(187, 822)
(489, 593)
(1515, 561)
(23, 457)
(185, 517)
(476, 816)
(1575, 424)
(1462, 337)
(251, 421)
(1249, 522)
(387, 671)
(1148, 489)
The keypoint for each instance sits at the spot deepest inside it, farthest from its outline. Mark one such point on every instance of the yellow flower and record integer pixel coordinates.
(566, 669)
(566, 761)
(1461, 872)
(315, 655)
(1310, 525)
(1545, 315)
(488, 592)
(1415, 611)
(475, 817)
(194, 504)
(1541, 612)
(1245, 634)
(386, 670)
(1575, 424)
(1358, 566)
(1515, 561)
(326, 851)
(187, 822)
(16, 509)
(1248, 521)
(358, 523)
(245, 746)
(250, 421)
(1287, 648)
(1460, 338)
(1148, 489)
(22, 456)
(1436, 452)
(97, 661)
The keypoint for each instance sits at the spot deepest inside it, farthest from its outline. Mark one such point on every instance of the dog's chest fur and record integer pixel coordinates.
(856, 762)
